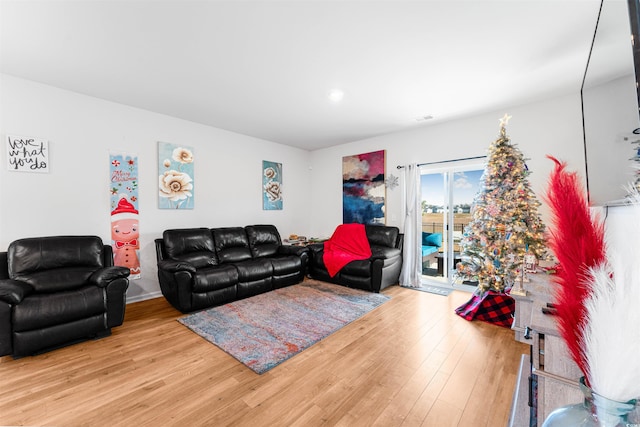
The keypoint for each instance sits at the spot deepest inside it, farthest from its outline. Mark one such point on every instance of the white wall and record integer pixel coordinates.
(611, 115)
(622, 227)
(551, 127)
(73, 197)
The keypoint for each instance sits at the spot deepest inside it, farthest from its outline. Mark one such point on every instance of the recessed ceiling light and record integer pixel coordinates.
(336, 95)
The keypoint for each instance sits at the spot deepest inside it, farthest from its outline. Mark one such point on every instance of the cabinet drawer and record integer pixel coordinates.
(554, 393)
(550, 355)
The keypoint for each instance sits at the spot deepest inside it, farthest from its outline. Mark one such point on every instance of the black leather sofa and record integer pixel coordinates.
(200, 267)
(55, 291)
(382, 269)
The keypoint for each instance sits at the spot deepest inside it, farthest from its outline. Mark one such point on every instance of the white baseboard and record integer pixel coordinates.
(144, 297)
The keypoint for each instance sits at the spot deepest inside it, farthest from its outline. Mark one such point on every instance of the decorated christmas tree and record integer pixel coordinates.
(506, 225)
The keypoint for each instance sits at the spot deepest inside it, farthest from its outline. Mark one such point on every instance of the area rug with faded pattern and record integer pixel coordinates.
(267, 329)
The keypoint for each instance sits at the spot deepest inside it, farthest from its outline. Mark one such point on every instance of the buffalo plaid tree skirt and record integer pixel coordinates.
(492, 307)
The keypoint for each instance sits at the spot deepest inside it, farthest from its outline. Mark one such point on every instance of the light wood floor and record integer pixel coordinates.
(410, 362)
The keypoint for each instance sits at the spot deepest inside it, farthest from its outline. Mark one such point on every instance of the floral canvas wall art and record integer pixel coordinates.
(363, 188)
(271, 185)
(175, 180)
(125, 228)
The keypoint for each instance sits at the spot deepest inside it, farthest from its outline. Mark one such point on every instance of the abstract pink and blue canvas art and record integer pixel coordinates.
(363, 188)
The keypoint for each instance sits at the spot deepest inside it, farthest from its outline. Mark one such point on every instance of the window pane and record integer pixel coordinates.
(447, 199)
(433, 211)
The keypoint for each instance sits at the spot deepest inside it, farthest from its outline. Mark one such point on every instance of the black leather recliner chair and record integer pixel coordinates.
(381, 270)
(55, 291)
(200, 267)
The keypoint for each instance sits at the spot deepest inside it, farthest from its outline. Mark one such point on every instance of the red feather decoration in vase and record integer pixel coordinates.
(577, 240)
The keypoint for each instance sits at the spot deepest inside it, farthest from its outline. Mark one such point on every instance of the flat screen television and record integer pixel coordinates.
(610, 103)
(634, 22)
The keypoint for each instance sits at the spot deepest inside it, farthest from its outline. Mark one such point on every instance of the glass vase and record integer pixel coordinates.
(595, 411)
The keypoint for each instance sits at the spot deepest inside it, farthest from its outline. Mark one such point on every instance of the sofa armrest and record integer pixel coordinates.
(14, 291)
(116, 301)
(6, 341)
(292, 250)
(315, 247)
(104, 276)
(173, 266)
(4, 266)
(159, 244)
(383, 252)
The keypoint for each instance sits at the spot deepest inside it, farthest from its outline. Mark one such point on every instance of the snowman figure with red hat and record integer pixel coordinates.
(125, 236)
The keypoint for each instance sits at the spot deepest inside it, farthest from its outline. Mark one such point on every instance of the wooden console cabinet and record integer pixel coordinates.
(548, 376)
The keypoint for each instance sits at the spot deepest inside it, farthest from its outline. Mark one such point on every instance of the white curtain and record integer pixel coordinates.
(411, 274)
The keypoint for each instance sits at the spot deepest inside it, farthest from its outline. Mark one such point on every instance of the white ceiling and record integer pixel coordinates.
(265, 68)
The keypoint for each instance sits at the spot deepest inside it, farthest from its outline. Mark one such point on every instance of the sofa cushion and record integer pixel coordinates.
(254, 269)
(264, 240)
(199, 259)
(214, 278)
(60, 279)
(431, 239)
(428, 250)
(384, 252)
(286, 265)
(382, 236)
(45, 310)
(192, 245)
(232, 244)
(26, 343)
(355, 281)
(361, 268)
(73, 256)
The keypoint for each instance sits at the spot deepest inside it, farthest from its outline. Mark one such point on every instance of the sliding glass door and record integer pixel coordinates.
(447, 196)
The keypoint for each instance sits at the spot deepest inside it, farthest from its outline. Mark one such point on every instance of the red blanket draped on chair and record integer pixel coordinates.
(348, 243)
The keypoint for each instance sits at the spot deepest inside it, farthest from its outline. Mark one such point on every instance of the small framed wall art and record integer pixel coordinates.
(175, 176)
(27, 154)
(271, 186)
